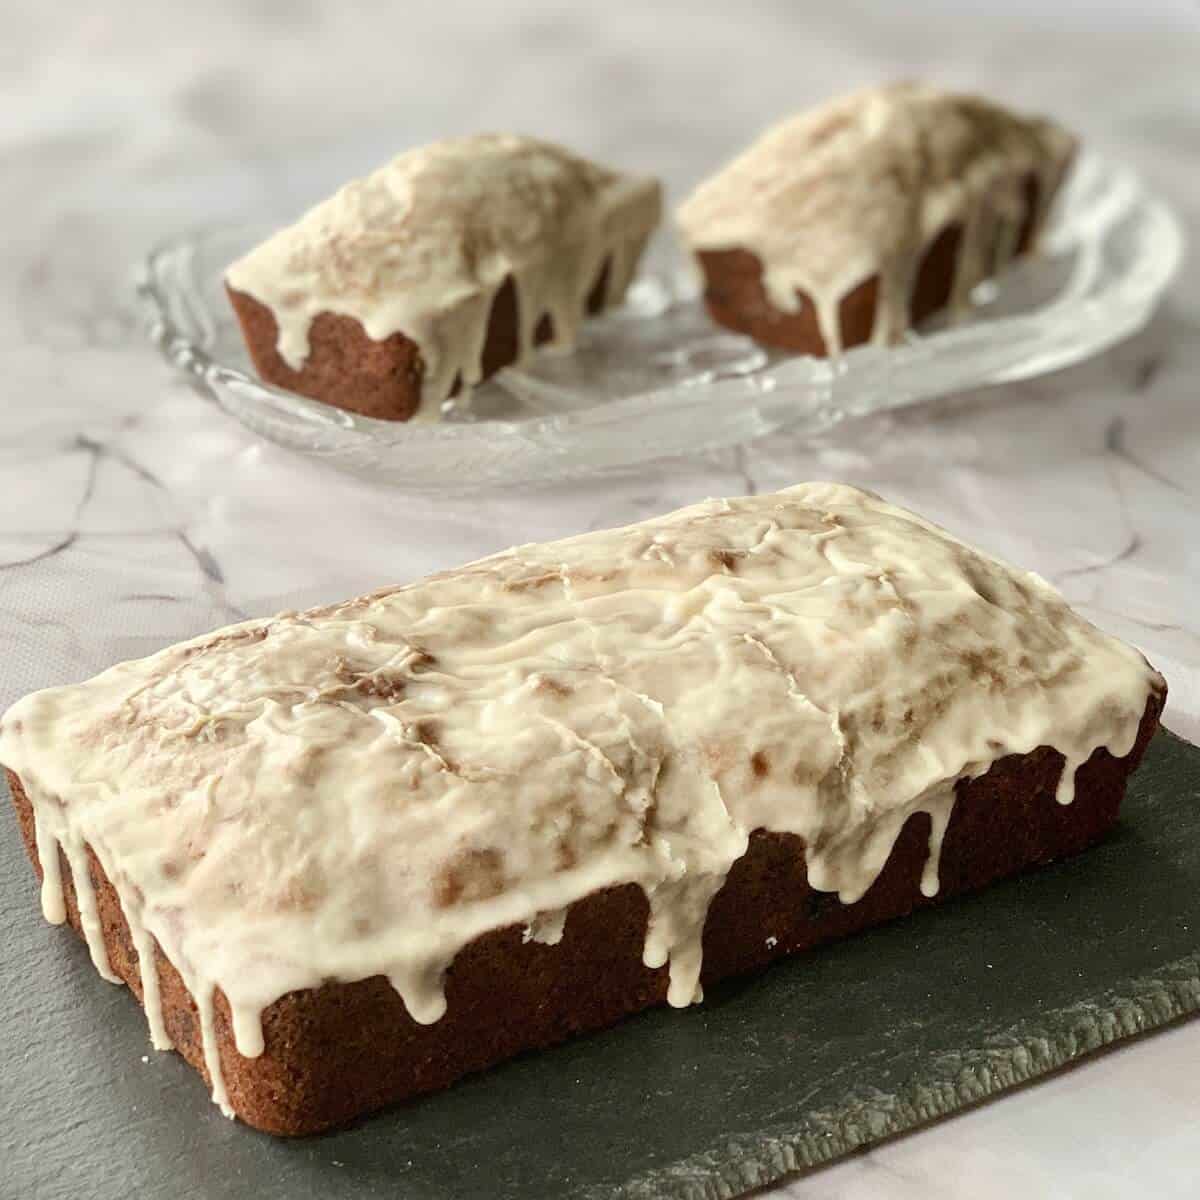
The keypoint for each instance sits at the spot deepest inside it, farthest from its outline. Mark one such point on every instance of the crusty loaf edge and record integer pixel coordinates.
(855, 220)
(336, 1052)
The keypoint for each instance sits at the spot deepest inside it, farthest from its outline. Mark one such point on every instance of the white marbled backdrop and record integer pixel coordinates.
(135, 514)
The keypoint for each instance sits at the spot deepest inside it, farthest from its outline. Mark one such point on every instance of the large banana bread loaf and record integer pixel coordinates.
(347, 855)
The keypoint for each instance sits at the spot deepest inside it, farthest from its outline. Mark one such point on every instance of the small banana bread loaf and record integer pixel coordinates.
(852, 222)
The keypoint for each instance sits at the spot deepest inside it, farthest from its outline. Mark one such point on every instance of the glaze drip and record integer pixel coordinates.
(424, 244)
(862, 186)
(364, 789)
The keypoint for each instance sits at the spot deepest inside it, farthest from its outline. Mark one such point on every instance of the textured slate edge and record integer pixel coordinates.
(954, 1081)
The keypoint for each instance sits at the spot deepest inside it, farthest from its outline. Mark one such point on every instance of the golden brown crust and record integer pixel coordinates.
(341, 1050)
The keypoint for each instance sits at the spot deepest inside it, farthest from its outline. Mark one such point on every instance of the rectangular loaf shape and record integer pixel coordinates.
(349, 855)
(431, 274)
(853, 221)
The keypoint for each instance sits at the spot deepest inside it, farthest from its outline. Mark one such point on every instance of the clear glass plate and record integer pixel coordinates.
(657, 378)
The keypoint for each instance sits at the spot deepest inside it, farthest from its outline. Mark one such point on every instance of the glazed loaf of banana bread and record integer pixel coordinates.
(428, 276)
(854, 221)
(347, 855)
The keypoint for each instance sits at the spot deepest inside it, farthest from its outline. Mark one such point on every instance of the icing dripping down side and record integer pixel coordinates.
(85, 896)
(364, 789)
(54, 907)
(423, 246)
(864, 185)
(148, 972)
(939, 817)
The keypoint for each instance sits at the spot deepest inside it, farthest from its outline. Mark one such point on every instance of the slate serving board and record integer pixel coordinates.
(816, 1057)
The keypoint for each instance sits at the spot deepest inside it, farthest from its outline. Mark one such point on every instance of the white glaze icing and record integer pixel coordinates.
(862, 185)
(72, 846)
(547, 928)
(363, 789)
(422, 246)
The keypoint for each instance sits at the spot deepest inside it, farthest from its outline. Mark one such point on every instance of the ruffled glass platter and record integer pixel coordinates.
(657, 378)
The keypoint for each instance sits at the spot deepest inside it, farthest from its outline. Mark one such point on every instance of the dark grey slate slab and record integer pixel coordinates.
(806, 1062)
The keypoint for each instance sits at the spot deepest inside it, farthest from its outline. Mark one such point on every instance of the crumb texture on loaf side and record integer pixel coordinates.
(853, 221)
(429, 275)
(368, 789)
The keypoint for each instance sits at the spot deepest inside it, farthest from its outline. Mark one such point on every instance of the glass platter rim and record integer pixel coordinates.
(797, 393)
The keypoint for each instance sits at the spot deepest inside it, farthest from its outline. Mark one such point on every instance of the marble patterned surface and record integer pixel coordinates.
(136, 514)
